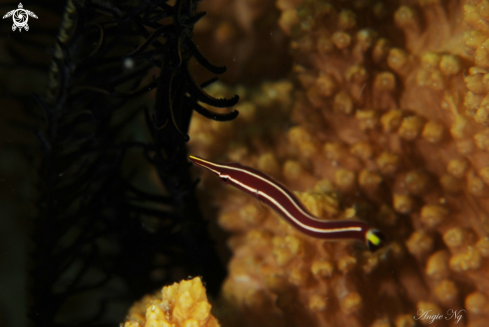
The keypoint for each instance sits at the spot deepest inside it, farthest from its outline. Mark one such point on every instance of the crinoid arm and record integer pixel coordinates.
(10, 13)
(14, 27)
(30, 13)
(26, 27)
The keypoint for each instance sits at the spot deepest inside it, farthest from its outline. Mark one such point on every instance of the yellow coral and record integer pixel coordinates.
(181, 304)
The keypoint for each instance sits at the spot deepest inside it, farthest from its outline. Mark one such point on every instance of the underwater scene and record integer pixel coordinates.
(235, 163)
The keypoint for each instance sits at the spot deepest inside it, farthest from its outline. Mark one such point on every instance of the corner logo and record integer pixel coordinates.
(20, 17)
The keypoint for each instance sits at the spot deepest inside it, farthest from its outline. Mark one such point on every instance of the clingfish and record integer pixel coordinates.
(287, 205)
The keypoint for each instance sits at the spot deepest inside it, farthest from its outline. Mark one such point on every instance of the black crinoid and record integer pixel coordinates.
(106, 233)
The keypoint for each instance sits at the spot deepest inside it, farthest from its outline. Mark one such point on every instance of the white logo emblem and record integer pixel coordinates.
(20, 17)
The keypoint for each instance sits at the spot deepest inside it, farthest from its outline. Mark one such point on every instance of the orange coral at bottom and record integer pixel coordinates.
(181, 304)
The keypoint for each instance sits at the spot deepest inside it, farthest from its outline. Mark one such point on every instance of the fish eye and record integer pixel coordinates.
(224, 178)
(374, 239)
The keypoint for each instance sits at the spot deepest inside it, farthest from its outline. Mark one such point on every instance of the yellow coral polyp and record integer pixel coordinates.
(385, 81)
(482, 55)
(320, 204)
(391, 120)
(482, 140)
(450, 65)
(446, 292)
(420, 243)
(468, 259)
(381, 50)
(345, 180)
(475, 185)
(369, 180)
(430, 60)
(351, 303)
(326, 85)
(341, 40)
(367, 119)
(433, 131)
(346, 264)
(388, 163)
(398, 60)
(346, 19)
(356, 74)
(474, 83)
(460, 128)
(437, 265)
(474, 39)
(483, 246)
(411, 127)
(343, 103)
(322, 268)
(286, 249)
(474, 19)
(288, 20)
(482, 114)
(458, 167)
(317, 303)
(433, 215)
(366, 39)
(476, 303)
(417, 182)
(362, 150)
(456, 237)
(406, 18)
